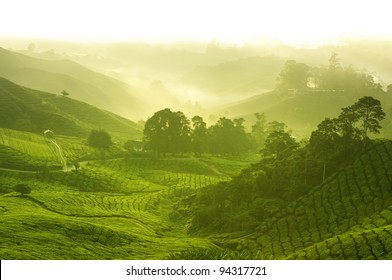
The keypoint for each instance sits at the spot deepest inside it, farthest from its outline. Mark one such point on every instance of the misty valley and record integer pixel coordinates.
(195, 151)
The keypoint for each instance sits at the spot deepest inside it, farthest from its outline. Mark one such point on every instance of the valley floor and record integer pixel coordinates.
(129, 208)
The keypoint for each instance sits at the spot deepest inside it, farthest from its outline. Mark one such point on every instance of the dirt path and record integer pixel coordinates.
(63, 159)
(19, 171)
(60, 155)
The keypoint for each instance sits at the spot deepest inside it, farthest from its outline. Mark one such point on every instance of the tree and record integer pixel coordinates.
(199, 135)
(294, 75)
(324, 142)
(275, 126)
(228, 137)
(167, 131)
(367, 110)
(334, 62)
(65, 93)
(279, 143)
(346, 124)
(23, 189)
(259, 130)
(99, 139)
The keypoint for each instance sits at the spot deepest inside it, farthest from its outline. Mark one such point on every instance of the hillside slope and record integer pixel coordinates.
(347, 217)
(83, 84)
(125, 208)
(34, 111)
(303, 110)
(247, 75)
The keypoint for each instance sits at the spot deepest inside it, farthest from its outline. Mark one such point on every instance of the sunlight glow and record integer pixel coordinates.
(227, 21)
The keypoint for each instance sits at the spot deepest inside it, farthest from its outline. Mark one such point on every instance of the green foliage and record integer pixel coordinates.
(212, 254)
(99, 139)
(55, 75)
(289, 206)
(293, 76)
(34, 111)
(167, 132)
(26, 151)
(279, 143)
(124, 208)
(259, 131)
(170, 132)
(199, 135)
(228, 137)
(22, 188)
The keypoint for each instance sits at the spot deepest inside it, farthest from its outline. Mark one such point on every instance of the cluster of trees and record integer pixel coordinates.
(337, 138)
(173, 132)
(334, 76)
(288, 169)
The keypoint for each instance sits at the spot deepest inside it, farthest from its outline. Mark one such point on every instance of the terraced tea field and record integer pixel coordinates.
(137, 207)
(126, 208)
(347, 217)
(23, 150)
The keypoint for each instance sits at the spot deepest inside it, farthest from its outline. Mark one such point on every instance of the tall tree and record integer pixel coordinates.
(369, 113)
(228, 137)
(167, 132)
(293, 76)
(279, 143)
(259, 131)
(199, 135)
(324, 142)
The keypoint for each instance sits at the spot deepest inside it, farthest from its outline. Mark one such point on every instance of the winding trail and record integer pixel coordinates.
(19, 171)
(60, 154)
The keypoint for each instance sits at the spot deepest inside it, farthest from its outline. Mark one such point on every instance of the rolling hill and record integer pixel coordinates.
(35, 111)
(123, 208)
(243, 76)
(302, 111)
(347, 217)
(83, 84)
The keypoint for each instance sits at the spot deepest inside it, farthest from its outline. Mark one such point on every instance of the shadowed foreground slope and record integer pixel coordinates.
(347, 217)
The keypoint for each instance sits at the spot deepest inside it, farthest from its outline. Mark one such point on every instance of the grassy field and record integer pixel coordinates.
(137, 207)
(130, 207)
(347, 217)
(25, 150)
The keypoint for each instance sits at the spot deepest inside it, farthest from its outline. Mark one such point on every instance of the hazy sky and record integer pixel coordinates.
(234, 21)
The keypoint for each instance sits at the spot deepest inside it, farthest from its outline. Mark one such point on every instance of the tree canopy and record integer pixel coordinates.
(168, 132)
(171, 132)
(99, 139)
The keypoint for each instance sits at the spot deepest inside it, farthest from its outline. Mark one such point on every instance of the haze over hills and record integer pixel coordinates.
(197, 77)
(57, 75)
(301, 110)
(244, 76)
(190, 185)
(27, 109)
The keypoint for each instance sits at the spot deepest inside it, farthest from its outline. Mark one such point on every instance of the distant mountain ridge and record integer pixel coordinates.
(35, 111)
(303, 110)
(246, 75)
(83, 84)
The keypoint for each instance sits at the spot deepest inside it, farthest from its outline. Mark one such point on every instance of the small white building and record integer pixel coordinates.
(48, 133)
